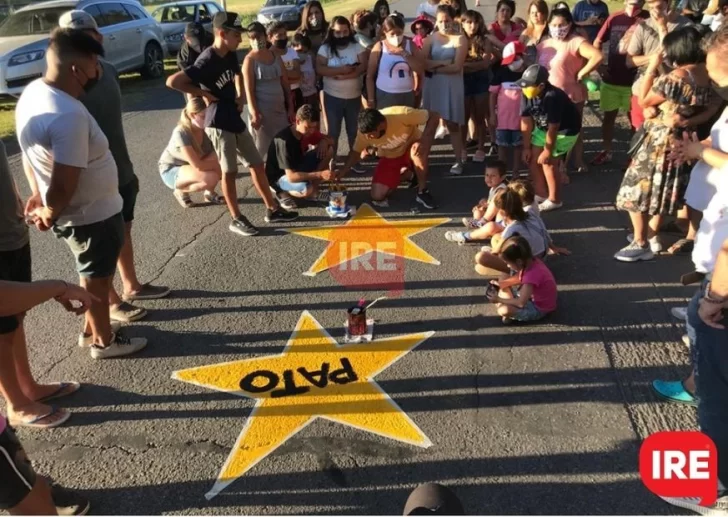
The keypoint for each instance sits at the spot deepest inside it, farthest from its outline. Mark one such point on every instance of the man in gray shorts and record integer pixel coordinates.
(218, 71)
(103, 101)
(73, 177)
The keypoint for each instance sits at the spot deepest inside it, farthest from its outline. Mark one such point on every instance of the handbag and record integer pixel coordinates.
(637, 139)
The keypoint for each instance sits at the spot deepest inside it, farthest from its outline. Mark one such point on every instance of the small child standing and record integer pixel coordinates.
(421, 28)
(302, 45)
(530, 295)
(484, 223)
(505, 105)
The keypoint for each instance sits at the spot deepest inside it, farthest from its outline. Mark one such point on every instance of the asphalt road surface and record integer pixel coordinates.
(532, 419)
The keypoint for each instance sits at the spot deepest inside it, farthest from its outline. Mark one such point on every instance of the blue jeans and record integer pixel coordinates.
(338, 110)
(710, 360)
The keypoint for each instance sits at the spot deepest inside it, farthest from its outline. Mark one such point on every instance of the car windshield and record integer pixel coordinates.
(278, 3)
(29, 23)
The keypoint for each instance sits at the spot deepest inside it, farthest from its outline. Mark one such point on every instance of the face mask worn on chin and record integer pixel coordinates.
(516, 65)
(530, 92)
(559, 33)
(198, 120)
(281, 43)
(395, 41)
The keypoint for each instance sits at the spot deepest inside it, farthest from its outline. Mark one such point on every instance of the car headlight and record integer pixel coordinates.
(174, 38)
(289, 15)
(26, 57)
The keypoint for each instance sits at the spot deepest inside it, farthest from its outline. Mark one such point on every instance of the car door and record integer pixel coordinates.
(121, 26)
(111, 46)
(212, 9)
(141, 23)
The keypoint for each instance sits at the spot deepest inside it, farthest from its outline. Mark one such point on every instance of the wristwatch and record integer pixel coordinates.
(713, 299)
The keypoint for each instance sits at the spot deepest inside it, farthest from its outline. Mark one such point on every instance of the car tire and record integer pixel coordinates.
(153, 61)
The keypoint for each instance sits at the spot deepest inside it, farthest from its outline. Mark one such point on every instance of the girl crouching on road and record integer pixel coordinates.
(189, 163)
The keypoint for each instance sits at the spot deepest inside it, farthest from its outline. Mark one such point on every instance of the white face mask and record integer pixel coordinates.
(198, 120)
(314, 21)
(516, 65)
(395, 40)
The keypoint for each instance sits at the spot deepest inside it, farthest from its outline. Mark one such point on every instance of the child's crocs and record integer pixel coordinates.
(673, 391)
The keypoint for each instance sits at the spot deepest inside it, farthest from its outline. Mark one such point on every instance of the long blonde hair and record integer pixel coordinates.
(194, 106)
(530, 32)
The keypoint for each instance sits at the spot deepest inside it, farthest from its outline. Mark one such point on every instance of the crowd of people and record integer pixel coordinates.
(509, 94)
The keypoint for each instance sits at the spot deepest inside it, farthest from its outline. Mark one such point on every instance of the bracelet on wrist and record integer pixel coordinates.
(716, 300)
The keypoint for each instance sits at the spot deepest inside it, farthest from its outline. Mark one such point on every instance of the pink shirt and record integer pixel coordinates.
(509, 105)
(544, 285)
(562, 60)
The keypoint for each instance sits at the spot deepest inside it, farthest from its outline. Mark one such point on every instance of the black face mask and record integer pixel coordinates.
(722, 91)
(90, 82)
(341, 42)
(281, 43)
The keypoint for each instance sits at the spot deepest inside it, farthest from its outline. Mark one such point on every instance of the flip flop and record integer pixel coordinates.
(64, 389)
(681, 247)
(34, 422)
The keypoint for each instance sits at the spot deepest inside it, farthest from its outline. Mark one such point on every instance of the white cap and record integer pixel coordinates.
(80, 20)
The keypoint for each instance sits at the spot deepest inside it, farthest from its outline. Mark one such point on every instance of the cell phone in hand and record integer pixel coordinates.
(491, 290)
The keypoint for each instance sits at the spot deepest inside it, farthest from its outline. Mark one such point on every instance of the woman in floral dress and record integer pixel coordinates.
(653, 186)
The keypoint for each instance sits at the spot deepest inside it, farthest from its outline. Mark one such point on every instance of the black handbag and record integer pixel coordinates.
(636, 142)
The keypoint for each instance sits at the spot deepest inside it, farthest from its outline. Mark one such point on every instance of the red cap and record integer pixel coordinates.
(512, 51)
(422, 19)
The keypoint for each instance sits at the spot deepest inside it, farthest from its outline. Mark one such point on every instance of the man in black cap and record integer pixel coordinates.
(197, 39)
(218, 71)
(551, 125)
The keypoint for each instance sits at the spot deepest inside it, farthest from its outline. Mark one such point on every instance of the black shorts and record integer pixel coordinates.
(18, 476)
(15, 266)
(128, 194)
(96, 246)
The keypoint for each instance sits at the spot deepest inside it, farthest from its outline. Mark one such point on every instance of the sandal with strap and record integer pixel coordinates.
(64, 389)
(183, 199)
(681, 247)
(213, 198)
(53, 418)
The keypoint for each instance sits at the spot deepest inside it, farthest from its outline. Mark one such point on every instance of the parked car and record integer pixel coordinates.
(133, 41)
(286, 11)
(175, 16)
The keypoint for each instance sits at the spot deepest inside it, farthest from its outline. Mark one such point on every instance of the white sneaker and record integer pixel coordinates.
(720, 507)
(655, 242)
(119, 347)
(457, 169)
(539, 199)
(548, 206)
(86, 340)
(633, 253)
(458, 237)
(679, 313)
(382, 204)
(441, 132)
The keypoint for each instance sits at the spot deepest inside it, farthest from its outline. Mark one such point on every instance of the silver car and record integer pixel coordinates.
(286, 11)
(133, 41)
(175, 16)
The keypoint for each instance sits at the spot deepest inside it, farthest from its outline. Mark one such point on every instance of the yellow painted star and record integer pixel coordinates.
(314, 377)
(367, 231)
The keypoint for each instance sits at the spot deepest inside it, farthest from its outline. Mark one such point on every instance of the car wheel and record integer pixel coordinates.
(153, 61)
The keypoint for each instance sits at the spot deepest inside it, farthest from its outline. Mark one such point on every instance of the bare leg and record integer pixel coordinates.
(689, 383)
(480, 104)
(125, 264)
(30, 387)
(552, 174)
(37, 502)
(19, 405)
(379, 192)
(639, 225)
(517, 151)
(421, 164)
(489, 264)
(653, 226)
(537, 174)
(486, 231)
(695, 217)
(97, 317)
(260, 180)
(456, 139)
(230, 193)
(578, 149)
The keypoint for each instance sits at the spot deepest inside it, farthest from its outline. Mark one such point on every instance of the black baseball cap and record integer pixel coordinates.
(227, 21)
(534, 75)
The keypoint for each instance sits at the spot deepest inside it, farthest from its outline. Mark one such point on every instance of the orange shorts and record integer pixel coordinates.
(388, 170)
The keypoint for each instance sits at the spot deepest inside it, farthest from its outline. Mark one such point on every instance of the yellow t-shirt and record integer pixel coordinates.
(402, 131)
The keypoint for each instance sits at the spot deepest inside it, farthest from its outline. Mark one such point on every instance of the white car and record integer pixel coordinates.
(174, 17)
(133, 41)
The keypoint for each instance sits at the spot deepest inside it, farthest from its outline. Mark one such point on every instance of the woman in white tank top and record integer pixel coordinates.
(395, 65)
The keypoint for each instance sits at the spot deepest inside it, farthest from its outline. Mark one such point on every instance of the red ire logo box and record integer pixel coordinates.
(680, 464)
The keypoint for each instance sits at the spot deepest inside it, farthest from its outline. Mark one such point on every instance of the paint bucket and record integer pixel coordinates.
(337, 201)
(356, 318)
